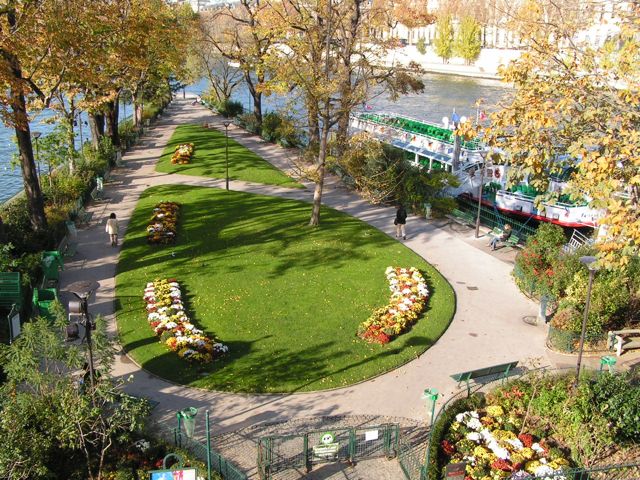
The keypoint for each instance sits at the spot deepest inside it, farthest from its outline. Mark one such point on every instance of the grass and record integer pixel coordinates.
(286, 298)
(209, 158)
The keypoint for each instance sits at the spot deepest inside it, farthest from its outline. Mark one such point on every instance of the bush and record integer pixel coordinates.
(249, 122)
(618, 399)
(270, 124)
(229, 108)
(421, 45)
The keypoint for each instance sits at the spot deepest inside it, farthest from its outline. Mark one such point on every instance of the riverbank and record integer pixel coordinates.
(487, 65)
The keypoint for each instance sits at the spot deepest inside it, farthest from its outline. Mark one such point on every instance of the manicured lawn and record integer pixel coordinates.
(209, 158)
(285, 298)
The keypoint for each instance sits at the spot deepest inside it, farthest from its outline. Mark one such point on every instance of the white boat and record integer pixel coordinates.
(433, 147)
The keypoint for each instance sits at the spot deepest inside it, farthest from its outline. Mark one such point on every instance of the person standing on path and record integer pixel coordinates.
(112, 229)
(400, 222)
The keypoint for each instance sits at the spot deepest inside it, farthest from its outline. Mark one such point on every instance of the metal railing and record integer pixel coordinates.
(491, 218)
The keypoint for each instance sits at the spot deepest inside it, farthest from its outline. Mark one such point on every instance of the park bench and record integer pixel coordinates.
(98, 190)
(463, 218)
(487, 374)
(624, 340)
(80, 214)
(513, 241)
(69, 243)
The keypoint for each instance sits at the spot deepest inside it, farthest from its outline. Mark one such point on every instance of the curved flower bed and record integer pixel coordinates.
(162, 228)
(486, 440)
(166, 315)
(409, 294)
(183, 154)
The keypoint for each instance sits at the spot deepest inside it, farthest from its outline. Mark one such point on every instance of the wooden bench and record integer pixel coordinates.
(624, 340)
(496, 372)
(463, 218)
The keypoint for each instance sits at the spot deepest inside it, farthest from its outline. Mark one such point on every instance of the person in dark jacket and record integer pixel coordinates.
(400, 222)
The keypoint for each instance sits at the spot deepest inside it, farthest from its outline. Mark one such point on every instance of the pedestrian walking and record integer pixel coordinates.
(400, 222)
(112, 229)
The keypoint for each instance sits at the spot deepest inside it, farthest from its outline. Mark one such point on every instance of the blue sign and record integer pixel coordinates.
(180, 474)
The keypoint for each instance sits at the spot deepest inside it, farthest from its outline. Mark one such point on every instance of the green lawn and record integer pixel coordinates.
(285, 298)
(209, 158)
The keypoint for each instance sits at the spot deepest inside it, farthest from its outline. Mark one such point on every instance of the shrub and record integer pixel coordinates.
(421, 45)
(229, 108)
(618, 399)
(270, 124)
(249, 122)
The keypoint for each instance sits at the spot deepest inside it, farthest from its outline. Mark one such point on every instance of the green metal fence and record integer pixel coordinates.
(568, 342)
(627, 471)
(302, 452)
(216, 462)
(412, 459)
(493, 218)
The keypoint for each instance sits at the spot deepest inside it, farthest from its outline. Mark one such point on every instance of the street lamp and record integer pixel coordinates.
(431, 396)
(590, 262)
(484, 156)
(83, 290)
(36, 136)
(226, 124)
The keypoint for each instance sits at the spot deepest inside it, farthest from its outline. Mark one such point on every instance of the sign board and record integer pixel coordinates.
(371, 435)
(328, 448)
(180, 474)
(456, 471)
(15, 325)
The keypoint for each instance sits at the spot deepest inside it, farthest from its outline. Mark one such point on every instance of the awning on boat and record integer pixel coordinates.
(424, 152)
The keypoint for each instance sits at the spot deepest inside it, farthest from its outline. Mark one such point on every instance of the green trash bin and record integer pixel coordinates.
(188, 416)
(51, 264)
(43, 300)
(427, 210)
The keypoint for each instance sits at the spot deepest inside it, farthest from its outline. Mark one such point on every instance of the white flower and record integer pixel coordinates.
(474, 436)
(474, 424)
(543, 470)
(515, 443)
(537, 448)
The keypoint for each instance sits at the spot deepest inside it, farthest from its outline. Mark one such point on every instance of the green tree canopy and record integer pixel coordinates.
(443, 43)
(468, 44)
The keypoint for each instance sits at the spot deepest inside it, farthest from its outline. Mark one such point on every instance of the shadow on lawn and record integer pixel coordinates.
(220, 224)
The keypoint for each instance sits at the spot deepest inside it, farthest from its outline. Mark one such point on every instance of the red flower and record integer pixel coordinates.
(502, 465)
(448, 447)
(526, 439)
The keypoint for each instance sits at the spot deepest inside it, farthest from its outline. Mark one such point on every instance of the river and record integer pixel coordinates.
(442, 94)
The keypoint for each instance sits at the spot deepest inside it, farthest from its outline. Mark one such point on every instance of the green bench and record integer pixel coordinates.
(488, 373)
(462, 217)
(52, 263)
(513, 241)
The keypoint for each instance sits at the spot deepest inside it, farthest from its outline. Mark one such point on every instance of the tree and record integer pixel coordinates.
(46, 415)
(468, 43)
(576, 106)
(443, 41)
(240, 38)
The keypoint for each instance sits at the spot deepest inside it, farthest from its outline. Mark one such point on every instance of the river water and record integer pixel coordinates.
(442, 94)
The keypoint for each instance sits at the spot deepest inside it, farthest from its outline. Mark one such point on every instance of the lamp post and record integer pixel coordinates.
(36, 136)
(590, 262)
(431, 396)
(226, 124)
(484, 166)
(83, 290)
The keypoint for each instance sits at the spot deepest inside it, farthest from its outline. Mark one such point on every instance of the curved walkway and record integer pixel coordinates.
(487, 328)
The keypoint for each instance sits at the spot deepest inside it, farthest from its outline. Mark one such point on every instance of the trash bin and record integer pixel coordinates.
(51, 264)
(427, 210)
(43, 300)
(188, 416)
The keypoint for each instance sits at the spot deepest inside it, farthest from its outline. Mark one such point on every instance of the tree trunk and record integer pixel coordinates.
(27, 162)
(71, 139)
(314, 126)
(137, 110)
(317, 193)
(111, 123)
(96, 124)
(257, 101)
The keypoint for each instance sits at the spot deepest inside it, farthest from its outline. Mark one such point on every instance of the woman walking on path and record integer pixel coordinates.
(400, 221)
(112, 229)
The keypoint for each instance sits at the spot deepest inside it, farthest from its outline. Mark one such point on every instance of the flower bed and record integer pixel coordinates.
(488, 441)
(162, 228)
(166, 315)
(183, 154)
(409, 294)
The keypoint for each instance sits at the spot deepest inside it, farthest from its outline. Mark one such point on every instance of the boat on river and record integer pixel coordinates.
(433, 147)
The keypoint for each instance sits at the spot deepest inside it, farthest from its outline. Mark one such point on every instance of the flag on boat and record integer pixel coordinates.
(482, 116)
(455, 118)
(368, 107)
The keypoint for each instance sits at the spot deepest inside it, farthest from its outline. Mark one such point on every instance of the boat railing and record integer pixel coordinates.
(522, 196)
(472, 145)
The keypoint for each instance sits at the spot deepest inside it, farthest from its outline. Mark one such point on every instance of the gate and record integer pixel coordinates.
(304, 451)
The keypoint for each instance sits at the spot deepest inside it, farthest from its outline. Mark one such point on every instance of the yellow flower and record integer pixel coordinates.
(531, 466)
(495, 410)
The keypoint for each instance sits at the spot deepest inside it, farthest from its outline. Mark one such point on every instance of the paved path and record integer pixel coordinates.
(488, 326)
